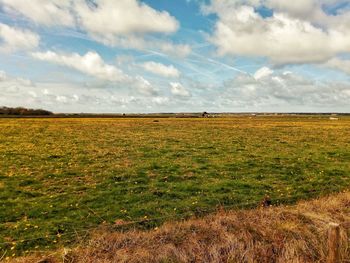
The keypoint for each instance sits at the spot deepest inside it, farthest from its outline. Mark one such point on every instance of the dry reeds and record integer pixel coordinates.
(275, 234)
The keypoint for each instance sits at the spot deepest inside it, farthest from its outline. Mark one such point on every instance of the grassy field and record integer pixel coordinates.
(59, 177)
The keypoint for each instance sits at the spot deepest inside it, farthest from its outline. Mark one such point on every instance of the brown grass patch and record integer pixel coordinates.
(275, 234)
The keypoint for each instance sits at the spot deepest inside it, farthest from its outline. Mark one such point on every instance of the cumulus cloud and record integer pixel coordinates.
(17, 91)
(11, 83)
(123, 17)
(178, 90)
(161, 69)
(262, 73)
(283, 37)
(100, 17)
(297, 8)
(124, 23)
(145, 87)
(13, 39)
(161, 100)
(278, 91)
(43, 12)
(285, 89)
(69, 97)
(91, 64)
(309, 10)
(313, 11)
(340, 64)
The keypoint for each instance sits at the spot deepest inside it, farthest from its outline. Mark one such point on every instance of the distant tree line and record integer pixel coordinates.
(20, 111)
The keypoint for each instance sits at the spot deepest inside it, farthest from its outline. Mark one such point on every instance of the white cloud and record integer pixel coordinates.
(178, 90)
(69, 97)
(102, 18)
(313, 11)
(126, 23)
(161, 100)
(43, 12)
(262, 73)
(13, 39)
(161, 69)
(12, 83)
(91, 64)
(17, 91)
(282, 38)
(144, 86)
(339, 64)
(123, 17)
(280, 91)
(297, 8)
(122, 23)
(284, 89)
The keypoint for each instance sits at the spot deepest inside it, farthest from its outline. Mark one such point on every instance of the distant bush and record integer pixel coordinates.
(20, 111)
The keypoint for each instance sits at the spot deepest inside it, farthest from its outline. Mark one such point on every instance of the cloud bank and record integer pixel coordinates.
(291, 35)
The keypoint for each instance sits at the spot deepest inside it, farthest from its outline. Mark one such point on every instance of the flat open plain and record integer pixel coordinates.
(60, 177)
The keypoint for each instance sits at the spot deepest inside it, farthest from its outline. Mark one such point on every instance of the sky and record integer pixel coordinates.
(129, 56)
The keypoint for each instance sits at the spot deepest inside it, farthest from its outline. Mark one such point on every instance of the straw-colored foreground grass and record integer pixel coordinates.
(276, 234)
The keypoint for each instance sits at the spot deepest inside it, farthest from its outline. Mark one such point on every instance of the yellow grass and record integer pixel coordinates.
(275, 234)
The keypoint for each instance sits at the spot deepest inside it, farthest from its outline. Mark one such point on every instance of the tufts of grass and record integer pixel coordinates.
(274, 234)
(62, 176)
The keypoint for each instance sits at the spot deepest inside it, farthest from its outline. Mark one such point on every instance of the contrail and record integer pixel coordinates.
(221, 64)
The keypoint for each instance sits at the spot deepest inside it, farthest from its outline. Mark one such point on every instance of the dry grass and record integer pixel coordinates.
(59, 176)
(276, 234)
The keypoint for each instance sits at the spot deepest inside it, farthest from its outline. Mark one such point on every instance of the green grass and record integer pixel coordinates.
(58, 176)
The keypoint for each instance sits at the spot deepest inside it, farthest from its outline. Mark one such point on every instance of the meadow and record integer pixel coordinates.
(60, 178)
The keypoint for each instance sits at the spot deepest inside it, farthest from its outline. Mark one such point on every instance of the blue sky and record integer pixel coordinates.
(175, 56)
